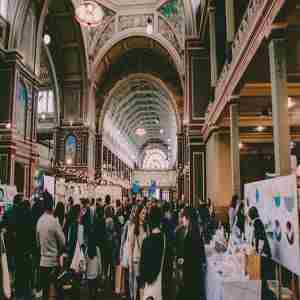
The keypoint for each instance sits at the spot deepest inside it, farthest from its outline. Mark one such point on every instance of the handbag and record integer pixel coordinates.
(5, 273)
(78, 264)
(65, 280)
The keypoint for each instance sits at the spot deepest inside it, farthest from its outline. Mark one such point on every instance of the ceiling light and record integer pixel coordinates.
(169, 140)
(69, 161)
(241, 145)
(47, 39)
(43, 116)
(161, 131)
(156, 121)
(291, 103)
(149, 26)
(8, 126)
(140, 132)
(260, 128)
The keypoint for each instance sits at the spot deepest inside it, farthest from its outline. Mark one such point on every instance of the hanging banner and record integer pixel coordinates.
(49, 185)
(277, 204)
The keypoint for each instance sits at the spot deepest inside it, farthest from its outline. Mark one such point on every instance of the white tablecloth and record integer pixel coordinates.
(219, 287)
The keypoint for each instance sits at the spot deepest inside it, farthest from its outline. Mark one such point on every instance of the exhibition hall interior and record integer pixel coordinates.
(149, 149)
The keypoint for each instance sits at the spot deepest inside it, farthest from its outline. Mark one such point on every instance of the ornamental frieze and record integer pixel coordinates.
(134, 21)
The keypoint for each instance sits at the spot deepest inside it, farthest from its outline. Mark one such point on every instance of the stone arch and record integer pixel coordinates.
(139, 33)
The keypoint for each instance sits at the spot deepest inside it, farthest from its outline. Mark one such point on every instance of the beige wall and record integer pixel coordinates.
(219, 187)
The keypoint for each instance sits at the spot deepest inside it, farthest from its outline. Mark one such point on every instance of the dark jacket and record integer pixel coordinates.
(193, 267)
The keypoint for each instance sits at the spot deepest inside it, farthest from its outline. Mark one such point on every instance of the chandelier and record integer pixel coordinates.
(89, 13)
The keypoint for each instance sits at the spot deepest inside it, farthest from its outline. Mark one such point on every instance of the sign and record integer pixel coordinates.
(277, 203)
(152, 188)
(7, 194)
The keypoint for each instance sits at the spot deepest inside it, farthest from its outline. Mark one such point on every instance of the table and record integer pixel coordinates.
(229, 286)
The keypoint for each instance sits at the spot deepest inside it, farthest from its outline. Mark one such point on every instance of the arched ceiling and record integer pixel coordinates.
(143, 103)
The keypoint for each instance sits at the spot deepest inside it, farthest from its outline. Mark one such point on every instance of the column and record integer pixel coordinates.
(180, 165)
(281, 128)
(99, 156)
(230, 26)
(234, 145)
(213, 47)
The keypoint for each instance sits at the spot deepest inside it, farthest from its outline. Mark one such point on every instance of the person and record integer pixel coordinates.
(93, 263)
(233, 209)
(194, 258)
(262, 247)
(110, 251)
(136, 238)
(153, 258)
(240, 219)
(74, 233)
(24, 250)
(51, 241)
(59, 213)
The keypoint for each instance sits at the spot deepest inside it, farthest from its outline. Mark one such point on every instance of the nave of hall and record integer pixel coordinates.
(149, 149)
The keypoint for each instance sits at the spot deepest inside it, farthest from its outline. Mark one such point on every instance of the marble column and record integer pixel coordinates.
(281, 127)
(213, 48)
(230, 26)
(234, 145)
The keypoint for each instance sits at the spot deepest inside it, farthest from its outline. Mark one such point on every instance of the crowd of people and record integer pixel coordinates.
(138, 248)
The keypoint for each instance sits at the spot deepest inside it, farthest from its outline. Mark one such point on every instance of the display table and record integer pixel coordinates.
(225, 282)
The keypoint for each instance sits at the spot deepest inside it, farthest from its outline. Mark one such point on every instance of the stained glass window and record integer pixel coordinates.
(70, 149)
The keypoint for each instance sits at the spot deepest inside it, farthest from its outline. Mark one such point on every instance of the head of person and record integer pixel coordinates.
(107, 200)
(154, 217)
(100, 212)
(71, 201)
(234, 201)
(253, 213)
(140, 217)
(18, 199)
(48, 204)
(59, 210)
(108, 212)
(93, 201)
(118, 203)
(190, 219)
(74, 214)
(1, 195)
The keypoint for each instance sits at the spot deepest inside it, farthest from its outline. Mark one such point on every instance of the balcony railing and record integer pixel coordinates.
(253, 12)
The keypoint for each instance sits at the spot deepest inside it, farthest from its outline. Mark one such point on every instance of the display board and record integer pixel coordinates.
(7, 194)
(49, 185)
(277, 203)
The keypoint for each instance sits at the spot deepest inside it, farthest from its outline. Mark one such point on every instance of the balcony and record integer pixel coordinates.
(255, 26)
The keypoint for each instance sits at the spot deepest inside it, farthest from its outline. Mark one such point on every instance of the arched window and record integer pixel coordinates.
(21, 108)
(155, 159)
(70, 149)
(4, 8)
(46, 102)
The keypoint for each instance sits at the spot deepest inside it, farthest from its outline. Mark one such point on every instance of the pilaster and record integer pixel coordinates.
(280, 114)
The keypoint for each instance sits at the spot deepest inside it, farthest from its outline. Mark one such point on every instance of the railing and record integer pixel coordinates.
(242, 37)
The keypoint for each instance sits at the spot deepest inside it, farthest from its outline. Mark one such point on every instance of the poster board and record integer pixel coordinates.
(7, 194)
(277, 203)
(49, 185)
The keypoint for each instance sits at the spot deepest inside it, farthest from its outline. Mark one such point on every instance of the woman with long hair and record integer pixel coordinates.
(136, 238)
(59, 213)
(194, 258)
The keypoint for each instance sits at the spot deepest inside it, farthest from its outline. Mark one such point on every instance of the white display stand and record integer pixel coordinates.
(277, 203)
